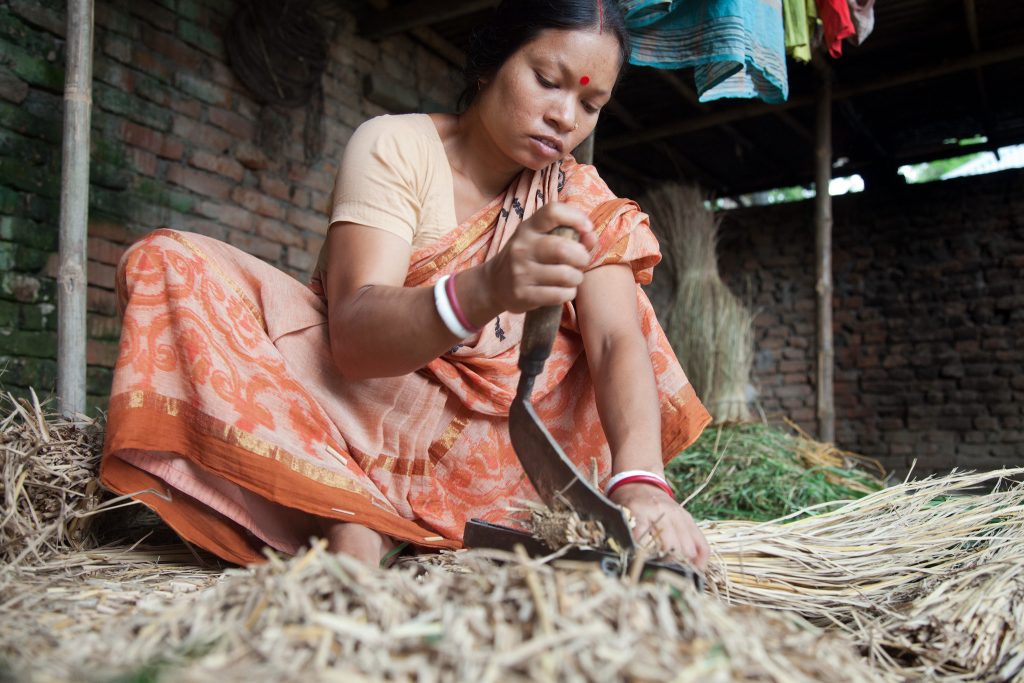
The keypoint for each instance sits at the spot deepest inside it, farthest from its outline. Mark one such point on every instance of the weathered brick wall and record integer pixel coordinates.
(929, 318)
(174, 143)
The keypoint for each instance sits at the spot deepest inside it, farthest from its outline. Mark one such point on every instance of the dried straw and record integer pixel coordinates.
(881, 567)
(711, 331)
(48, 480)
(327, 617)
(924, 580)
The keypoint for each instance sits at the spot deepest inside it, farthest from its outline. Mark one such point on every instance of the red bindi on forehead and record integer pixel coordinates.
(584, 80)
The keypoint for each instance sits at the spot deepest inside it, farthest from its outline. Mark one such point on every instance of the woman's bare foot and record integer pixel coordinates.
(356, 540)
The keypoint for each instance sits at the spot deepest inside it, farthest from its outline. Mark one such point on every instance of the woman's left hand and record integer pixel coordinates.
(672, 527)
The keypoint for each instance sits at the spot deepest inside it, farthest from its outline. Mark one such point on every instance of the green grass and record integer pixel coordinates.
(765, 473)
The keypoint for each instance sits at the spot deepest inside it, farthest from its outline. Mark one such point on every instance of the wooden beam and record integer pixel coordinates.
(760, 109)
(434, 41)
(74, 209)
(416, 14)
(823, 246)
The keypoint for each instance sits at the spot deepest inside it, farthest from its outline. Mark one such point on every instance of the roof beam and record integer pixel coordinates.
(750, 111)
(418, 14)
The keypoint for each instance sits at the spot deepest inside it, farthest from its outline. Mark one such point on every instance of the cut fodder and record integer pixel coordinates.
(866, 565)
(48, 480)
(326, 617)
(761, 472)
(709, 328)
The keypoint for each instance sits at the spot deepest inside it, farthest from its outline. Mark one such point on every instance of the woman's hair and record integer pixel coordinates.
(517, 22)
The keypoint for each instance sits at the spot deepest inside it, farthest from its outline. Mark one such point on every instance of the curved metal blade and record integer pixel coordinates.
(556, 478)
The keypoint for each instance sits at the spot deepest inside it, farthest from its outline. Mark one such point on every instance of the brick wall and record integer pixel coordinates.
(929, 318)
(174, 143)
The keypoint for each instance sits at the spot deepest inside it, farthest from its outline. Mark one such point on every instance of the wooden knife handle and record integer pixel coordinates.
(541, 326)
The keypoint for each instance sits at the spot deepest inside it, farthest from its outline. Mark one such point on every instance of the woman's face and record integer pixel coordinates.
(532, 105)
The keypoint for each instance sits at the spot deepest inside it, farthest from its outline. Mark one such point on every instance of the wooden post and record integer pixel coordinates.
(823, 246)
(74, 209)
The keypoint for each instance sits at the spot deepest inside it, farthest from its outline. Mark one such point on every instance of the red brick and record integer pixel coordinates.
(105, 251)
(318, 201)
(142, 161)
(148, 63)
(155, 14)
(301, 260)
(237, 125)
(193, 109)
(180, 54)
(202, 183)
(201, 134)
(143, 137)
(101, 275)
(228, 215)
(257, 246)
(251, 156)
(276, 231)
(318, 180)
(112, 232)
(224, 165)
(101, 301)
(300, 197)
(172, 149)
(307, 220)
(104, 327)
(223, 75)
(254, 200)
(275, 187)
(102, 353)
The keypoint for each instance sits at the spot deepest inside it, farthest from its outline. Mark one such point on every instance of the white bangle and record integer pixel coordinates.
(631, 473)
(447, 313)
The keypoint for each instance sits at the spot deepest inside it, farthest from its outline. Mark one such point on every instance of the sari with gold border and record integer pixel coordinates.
(229, 419)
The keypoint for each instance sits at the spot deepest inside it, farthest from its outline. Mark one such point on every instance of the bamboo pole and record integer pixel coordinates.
(823, 246)
(74, 209)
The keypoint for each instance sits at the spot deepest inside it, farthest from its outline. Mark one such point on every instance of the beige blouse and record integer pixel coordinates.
(395, 176)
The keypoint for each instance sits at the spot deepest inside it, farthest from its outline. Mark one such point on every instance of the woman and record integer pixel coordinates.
(371, 407)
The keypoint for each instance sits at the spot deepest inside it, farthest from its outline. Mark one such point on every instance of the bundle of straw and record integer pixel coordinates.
(711, 331)
(761, 472)
(48, 480)
(322, 617)
(888, 567)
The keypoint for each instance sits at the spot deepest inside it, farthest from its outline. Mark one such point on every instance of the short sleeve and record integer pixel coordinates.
(377, 181)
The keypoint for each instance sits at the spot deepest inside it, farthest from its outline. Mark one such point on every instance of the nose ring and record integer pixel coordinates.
(577, 125)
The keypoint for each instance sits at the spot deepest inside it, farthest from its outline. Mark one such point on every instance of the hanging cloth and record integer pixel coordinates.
(862, 12)
(799, 18)
(737, 48)
(835, 16)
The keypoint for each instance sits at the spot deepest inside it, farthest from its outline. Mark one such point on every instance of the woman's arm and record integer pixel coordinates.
(378, 328)
(628, 405)
(620, 366)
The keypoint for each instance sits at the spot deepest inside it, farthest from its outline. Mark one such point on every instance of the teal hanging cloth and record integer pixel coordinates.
(737, 48)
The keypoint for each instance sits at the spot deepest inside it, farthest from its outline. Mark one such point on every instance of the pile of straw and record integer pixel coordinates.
(761, 472)
(48, 480)
(327, 617)
(923, 580)
(926, 577)
(711, 331)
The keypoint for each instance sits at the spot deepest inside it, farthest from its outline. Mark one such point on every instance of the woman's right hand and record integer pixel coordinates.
(536, 268)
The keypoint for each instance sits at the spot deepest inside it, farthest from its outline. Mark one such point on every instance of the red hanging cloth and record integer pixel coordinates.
(835, 18)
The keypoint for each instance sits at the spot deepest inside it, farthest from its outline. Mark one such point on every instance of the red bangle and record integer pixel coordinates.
(449, 287)
(641, 479)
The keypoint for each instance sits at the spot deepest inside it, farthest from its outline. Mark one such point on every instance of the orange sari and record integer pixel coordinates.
(228, 418)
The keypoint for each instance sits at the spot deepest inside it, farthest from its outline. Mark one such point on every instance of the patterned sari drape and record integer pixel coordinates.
(228, 417)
